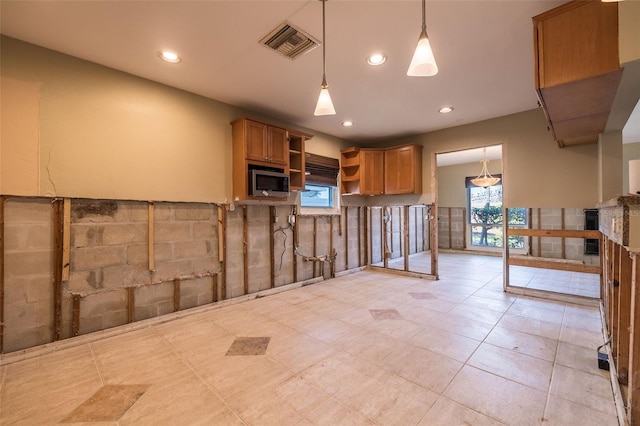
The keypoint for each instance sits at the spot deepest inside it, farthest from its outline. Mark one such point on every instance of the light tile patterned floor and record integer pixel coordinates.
(368, 348)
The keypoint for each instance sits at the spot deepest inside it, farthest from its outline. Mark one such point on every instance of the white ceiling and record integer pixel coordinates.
(484, 51)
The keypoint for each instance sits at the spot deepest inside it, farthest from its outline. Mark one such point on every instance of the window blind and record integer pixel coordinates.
(321, 170)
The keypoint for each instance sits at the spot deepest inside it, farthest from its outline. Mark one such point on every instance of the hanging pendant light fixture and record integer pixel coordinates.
(423, 63)
(485, 179)
(324, 105)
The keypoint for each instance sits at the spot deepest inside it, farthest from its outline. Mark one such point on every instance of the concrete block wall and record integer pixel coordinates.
(552, 247)
(28, 266)
(458, 238)
(109, 259)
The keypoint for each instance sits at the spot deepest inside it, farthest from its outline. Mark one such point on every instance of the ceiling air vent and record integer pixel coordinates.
(289, 41)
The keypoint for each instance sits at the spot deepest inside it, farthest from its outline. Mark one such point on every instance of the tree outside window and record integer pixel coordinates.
(486, 221)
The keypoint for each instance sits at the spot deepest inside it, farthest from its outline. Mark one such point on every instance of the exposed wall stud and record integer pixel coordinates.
(152, 263)
(315, 245)
(359, 237)
(131, 304)
(416, 230)
(222, 250)
(66, 239)
(406, 237)
(367, 233)
(214, 288)
(75, 327)
(562, 241)
(2, 204)
(385, 242)
(331, 250)
(176, 294)
(293, 226)
(245, 249)
(346, 238)
(433, 239)
(274, 217)
(58, 238)
(539, 227)
(450, 231)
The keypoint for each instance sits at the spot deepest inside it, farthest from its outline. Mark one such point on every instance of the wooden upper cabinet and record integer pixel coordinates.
(403, 170)
(577, 68)
(372, 172)
(263, 143)
(575, 41)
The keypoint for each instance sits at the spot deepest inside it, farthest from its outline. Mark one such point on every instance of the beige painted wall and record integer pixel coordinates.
(107, 134)
(451, 189)
(101, 133)
(630, 151)
(537, 172)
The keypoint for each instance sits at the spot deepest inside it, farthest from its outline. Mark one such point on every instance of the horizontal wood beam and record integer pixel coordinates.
(562, 266)
(561, 233)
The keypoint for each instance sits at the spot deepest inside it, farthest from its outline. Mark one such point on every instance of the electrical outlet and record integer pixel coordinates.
(292, 219)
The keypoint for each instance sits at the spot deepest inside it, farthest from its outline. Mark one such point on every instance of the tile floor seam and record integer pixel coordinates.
(96, 364)
(188, 365)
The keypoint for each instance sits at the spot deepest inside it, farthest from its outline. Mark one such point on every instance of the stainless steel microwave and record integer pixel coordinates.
(266, 183)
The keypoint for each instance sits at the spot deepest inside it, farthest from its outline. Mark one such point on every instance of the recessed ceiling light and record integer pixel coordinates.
(347, 123)
(377, 59)
(445, 110)
(169, 56)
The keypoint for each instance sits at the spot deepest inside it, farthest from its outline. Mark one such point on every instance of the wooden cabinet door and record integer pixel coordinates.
(256, 141)
(278, 146)
(402, 170)
(371, 172)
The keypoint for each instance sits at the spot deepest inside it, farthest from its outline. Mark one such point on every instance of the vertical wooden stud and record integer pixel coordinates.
(222, 250)
(359, 236)
(214, 288)
(433, 217)
(433, 240)
(294, 260)
(539, 227)
(66, 238)
(315, 245)
(615, 287)
(58, 225)
(367, 234)
(331, 241)
(176, 294)
(245, 249)
(346, 238)
(406, 237)
(624, 320)
(152, 261)
(274, 217)
(450, 231)
(131, 304)
(385, 233)
(2, 204)
(633, 400)
(75, 325)
(562, 240)
(416, 228)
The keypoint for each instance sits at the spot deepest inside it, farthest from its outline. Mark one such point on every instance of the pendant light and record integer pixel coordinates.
(485, 179)
(324, 105)
(423, 63)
